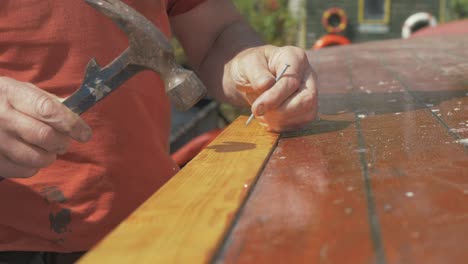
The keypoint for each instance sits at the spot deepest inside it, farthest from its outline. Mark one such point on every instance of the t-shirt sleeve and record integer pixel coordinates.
(177, 7)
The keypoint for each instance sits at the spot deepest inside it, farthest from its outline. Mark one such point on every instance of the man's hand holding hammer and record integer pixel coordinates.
(35, 127)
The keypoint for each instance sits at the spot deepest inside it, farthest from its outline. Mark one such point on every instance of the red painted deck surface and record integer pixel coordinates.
(382, 177)
(459, 27)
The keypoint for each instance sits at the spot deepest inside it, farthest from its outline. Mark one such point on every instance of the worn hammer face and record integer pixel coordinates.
(149, 48)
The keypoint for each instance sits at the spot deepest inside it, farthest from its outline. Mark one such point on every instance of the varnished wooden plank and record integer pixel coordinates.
(185, 221)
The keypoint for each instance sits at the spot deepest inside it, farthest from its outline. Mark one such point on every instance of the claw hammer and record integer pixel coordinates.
(148, 49)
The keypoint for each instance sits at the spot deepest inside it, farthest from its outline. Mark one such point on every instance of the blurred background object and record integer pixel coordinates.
(272, 19)
(314, 24)
(459, 9)
(330, 40)
(416, 22)
(375, 19)
(335, 22)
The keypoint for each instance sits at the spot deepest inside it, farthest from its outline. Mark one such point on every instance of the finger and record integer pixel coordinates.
(278, 94)
(290, 65)
(12, 170)
(37, 104)
(36, 133)
(297, 111)
(252, 74)
(24, 154)
(251, 97)
(302, 101)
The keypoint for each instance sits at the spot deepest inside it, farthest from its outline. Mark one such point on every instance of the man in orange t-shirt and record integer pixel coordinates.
(61, 189)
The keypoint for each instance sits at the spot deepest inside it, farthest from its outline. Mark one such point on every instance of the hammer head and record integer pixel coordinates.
(149, 48)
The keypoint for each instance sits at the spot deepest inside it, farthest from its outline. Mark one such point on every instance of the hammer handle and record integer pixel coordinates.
(86, 97)
(99, 83)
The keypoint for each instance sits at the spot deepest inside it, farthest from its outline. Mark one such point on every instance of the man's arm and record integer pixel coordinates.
(238, 68)
(212, 34)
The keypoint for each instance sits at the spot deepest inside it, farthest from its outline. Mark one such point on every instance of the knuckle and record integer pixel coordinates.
(237, 76)
(44, 134)
(18, 156)
(5, 114)
(261, 81)
(294, 50)
(303, 56)
(300, 52)
(308, 101)
(45, 107)
(3, 85)
(293, 84)
(4, 104)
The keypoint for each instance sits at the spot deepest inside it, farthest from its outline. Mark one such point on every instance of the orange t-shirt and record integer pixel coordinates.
(88, 191)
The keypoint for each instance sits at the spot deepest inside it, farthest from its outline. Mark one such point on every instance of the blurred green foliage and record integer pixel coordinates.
(459, 8)
(270, 18)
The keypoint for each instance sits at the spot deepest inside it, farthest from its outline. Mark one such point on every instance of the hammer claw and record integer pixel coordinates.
(148, 49)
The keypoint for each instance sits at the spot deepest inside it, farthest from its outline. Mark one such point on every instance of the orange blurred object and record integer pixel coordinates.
(330, 40)
(334, 20)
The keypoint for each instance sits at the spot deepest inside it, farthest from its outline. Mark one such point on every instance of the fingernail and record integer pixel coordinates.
(85, 135)
(260, 110)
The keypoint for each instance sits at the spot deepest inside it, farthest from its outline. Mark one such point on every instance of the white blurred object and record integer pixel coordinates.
(416, 22)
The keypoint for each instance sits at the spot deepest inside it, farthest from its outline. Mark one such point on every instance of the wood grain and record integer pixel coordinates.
(309, 204)
(383, 177)
(185, 221)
